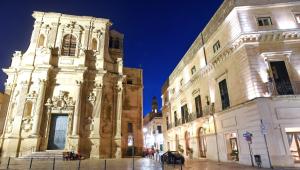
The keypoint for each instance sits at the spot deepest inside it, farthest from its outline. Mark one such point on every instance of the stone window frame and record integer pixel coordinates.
(218, 79)
(216, 46)
(279, 56)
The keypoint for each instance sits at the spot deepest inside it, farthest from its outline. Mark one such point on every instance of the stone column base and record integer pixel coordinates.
(11, 147)
(72, 143)
(118, 153)
(95, 148)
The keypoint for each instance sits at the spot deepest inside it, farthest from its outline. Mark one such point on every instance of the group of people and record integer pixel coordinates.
(71, 156)
(151, 153)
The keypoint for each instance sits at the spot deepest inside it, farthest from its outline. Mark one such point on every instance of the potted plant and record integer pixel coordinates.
(180, 149)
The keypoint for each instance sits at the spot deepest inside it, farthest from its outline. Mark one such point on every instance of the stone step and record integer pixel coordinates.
(57, 154)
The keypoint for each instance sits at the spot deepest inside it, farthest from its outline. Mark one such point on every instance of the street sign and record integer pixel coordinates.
(248, 137)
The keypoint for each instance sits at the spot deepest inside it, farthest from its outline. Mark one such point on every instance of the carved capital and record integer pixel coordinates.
(78, 82)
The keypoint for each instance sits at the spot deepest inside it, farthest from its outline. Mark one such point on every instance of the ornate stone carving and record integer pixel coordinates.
(92, 98)
(27, 124)
(31, 95)
(62, 102)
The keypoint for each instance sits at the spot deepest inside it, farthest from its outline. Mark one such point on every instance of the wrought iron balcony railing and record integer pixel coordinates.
(283, 87)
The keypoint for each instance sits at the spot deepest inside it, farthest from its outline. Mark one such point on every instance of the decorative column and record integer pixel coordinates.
(39, 109)
(76, 116)
(12, 143)
(119, 87)
(20, 109)
(95, 134)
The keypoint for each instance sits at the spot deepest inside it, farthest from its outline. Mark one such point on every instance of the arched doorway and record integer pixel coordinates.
(202, 142)
(187, 142)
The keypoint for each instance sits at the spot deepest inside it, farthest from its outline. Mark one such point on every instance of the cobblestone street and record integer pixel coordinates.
(123, 164)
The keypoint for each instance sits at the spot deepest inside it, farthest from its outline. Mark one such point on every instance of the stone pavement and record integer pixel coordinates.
(122, 164)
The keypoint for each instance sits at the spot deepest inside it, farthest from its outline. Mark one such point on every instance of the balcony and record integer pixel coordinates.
(283, 88)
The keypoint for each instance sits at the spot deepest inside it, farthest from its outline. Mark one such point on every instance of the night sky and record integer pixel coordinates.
(157, 32)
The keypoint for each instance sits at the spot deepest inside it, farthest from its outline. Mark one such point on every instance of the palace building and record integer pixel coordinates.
(153, 137)
(70, 91)
(234, 96)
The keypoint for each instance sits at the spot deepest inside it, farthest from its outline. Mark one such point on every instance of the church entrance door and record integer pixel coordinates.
(58, 131)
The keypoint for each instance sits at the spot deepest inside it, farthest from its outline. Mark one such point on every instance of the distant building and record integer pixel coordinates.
(153, 136)
(238, 86)
(70, 91)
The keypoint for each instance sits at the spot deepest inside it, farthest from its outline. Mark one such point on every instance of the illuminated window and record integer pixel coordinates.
(28, 109)
(193, 70)
(41, 40)
(264, 21)
(216, 46)
(297, 16)
(69, 45)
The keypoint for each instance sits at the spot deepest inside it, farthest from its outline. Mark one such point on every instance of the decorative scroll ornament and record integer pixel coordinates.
(32, 95)
(27, 124)
(62, 102)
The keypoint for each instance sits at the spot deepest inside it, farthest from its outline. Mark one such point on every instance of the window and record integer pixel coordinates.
(129, 81)
(198, 106)
(69, 45)
(114, 43)
(297, 17)
(181, 82)
(94, 44)
(159, 129)
(184, 114)
(224, 94)
(173, 91)
(41, 41)
(216, 46)
(193, 70)
(264, 21)
(130, 128)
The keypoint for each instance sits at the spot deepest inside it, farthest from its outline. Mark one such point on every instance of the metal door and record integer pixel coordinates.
(58, 131)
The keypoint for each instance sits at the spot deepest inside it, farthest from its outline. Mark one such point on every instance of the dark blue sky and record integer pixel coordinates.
(157, 32)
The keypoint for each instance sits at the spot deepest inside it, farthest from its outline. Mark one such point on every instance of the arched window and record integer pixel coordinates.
(69, 45)
(94, 44)
(28, 109)
(41, 41)
(202, 142)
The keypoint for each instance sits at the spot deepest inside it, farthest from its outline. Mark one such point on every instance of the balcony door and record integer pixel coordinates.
(282, 81)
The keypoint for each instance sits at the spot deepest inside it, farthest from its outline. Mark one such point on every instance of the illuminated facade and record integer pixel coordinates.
(153, 136)
(70, 91)
(241, 74)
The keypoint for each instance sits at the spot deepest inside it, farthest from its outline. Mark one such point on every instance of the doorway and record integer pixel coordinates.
(202, 142)
(58, 132)
(281, 77)
(232, 147)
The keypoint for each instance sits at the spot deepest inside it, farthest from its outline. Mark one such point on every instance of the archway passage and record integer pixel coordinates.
(58, 132)
(202, 142)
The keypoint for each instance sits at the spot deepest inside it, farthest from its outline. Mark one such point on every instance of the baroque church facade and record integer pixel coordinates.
(70, 91)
